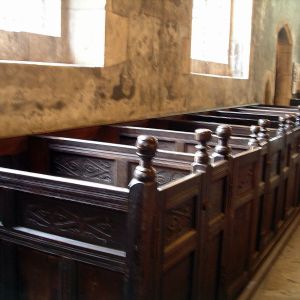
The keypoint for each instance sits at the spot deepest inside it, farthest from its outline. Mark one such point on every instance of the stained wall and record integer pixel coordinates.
(147, 71)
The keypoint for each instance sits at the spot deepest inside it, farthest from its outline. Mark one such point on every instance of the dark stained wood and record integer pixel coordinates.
(193, 225)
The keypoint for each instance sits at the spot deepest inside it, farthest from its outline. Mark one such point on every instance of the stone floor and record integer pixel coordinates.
(283, 279)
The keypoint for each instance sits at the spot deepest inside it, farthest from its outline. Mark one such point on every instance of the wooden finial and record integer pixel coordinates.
(281, 126)
(253, 141)
(202, 136)
(263, 135)
(222, 149)
(297, 123)
(293, 118)
(289, 122)
(146, 149)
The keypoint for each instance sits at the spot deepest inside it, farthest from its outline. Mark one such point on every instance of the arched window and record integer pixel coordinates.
(221, 36)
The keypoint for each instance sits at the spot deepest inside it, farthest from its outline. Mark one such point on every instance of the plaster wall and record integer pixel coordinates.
(147, 71)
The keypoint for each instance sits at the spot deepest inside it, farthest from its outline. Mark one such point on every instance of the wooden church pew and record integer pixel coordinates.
(267, 109)
(243, 212)
(220, 169)
(243, 161)
(131, 242)
(216, 214)
(294, 109)
(231, 119)
(295, 102)
(292, 140)
(115, 135)
(287, 158)
(275, 180)
(275, 176)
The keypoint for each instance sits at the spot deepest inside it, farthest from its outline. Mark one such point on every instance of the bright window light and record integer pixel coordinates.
(33, 16)
(221, 37)
(211, 30)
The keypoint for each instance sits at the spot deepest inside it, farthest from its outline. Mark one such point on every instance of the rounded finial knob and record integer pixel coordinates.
(289, 122)
(146, 145)
(282, 119)
(281, 126)
(264, 123)
(263, 135)
(297, 123)
(146, 149)
(224, 131)
(202, 136)
(293, 117)
(254, 129)
(254, 142)
(222, 149)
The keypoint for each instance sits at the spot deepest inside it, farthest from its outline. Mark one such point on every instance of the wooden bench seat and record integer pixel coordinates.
(199, 227)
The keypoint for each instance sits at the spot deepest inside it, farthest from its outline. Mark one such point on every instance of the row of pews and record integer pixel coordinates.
(294, 101)
(183, 207)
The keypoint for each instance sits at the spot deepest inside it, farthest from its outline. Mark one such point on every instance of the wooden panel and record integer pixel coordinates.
(217, 198)
(239, 248)
(95, 283)
(180, 220)
(88, 224)
(177, 281)
(275, 163)
(8, 271)
(164, 175)
(259, 225)
(211, 279)
(39, 275)
(81, 167)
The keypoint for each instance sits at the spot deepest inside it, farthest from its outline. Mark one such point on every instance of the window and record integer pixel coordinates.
(34, 16)
(221, 35)
(53, 31)
(87, 31)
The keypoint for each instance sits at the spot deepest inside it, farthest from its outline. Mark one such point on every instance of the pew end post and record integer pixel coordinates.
(142, 208)
(222, 150)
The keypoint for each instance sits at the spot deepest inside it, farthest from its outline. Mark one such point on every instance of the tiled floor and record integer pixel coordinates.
(283, 280)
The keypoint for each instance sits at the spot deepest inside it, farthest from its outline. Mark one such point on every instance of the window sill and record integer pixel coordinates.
(220, 76)
(20, 62)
